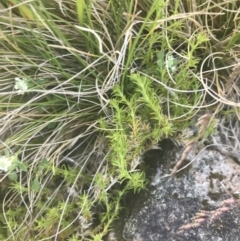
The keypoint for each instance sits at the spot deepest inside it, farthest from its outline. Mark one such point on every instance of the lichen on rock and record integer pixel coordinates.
(199, 203)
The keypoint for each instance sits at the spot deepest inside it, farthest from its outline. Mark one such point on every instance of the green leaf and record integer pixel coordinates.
(36, 184)
(80, 11)
(40, 110)
(43, 164)
(51, 125)
(42, 81)
(13, 176)
(160, 57)
(22, 166)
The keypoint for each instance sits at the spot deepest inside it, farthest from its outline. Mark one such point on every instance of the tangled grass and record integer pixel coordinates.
(86, 88)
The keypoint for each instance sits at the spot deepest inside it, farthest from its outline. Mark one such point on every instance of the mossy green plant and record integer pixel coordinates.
(86, 88)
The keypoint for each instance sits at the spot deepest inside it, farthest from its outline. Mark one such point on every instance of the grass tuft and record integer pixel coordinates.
(86, 88)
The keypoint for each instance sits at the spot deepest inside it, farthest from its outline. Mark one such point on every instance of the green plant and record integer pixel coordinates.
(86, 88)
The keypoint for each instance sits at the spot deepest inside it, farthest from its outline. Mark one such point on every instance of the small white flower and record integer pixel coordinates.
(171, 63)
(5, 163)
(21, 85)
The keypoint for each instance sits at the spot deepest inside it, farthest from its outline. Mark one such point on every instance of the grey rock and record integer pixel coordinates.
(200, 203)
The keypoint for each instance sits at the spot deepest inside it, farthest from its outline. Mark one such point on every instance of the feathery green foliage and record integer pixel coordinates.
(86, 88)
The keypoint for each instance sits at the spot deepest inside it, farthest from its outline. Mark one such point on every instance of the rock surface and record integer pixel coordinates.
(201, 202)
